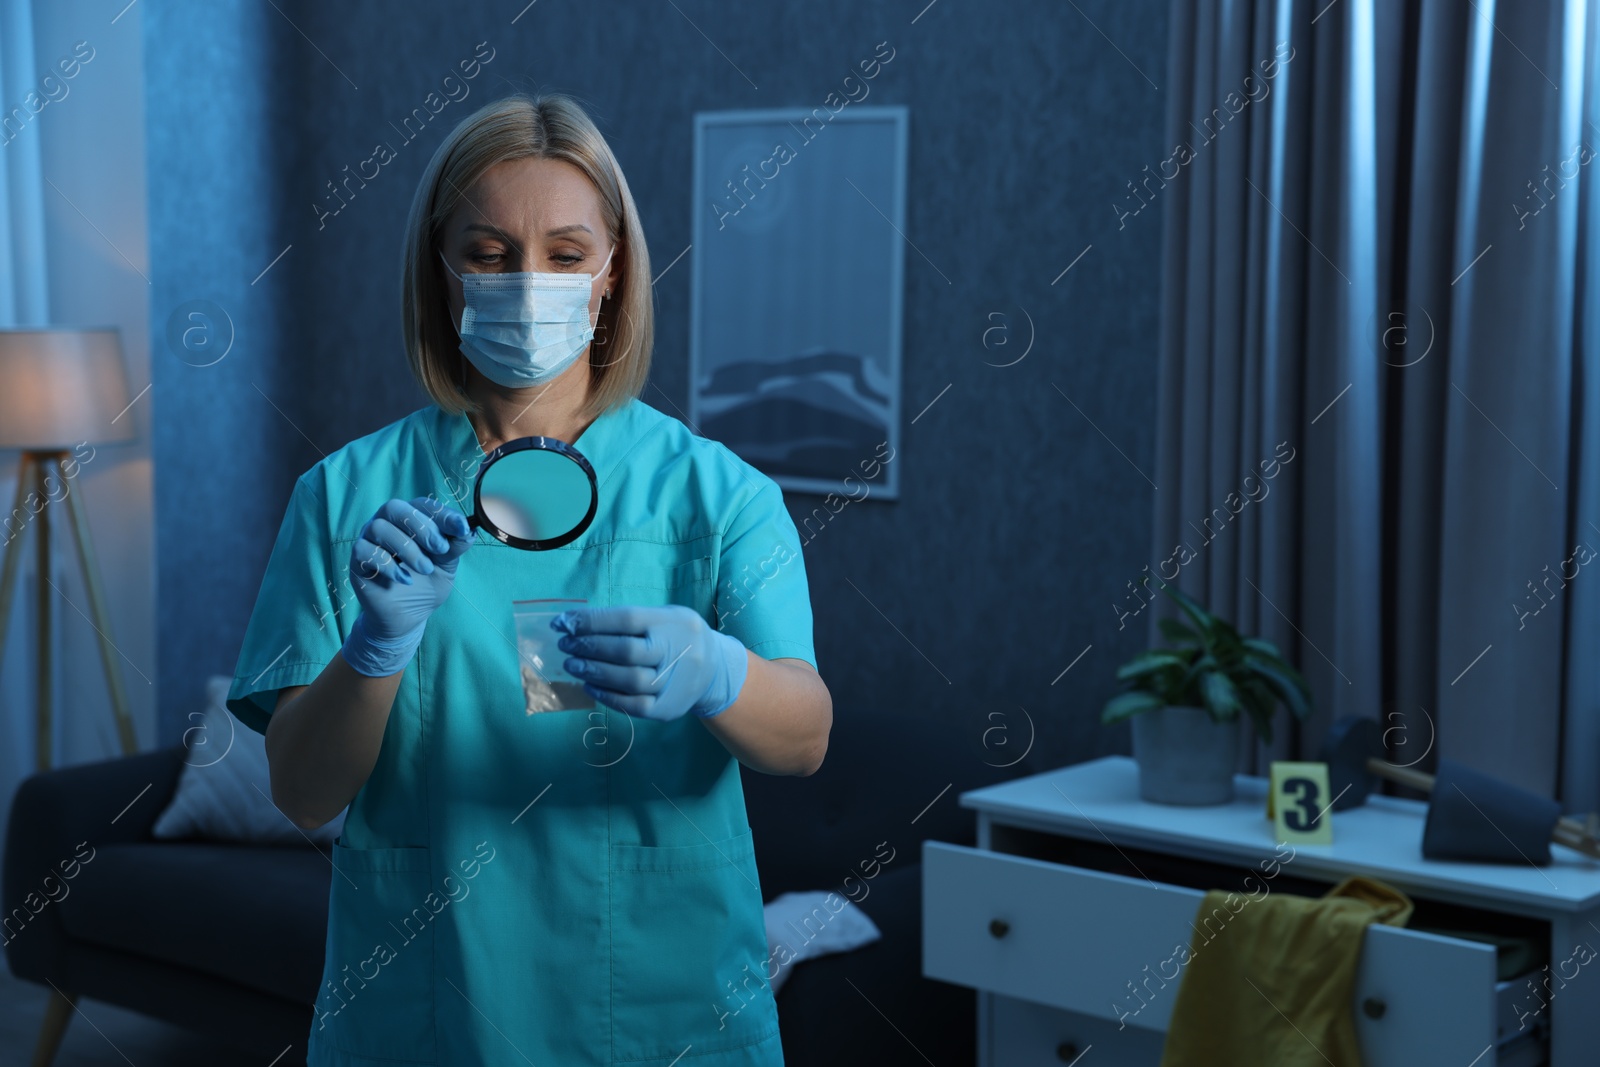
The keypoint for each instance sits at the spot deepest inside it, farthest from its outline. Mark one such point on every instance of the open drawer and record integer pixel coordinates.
(1095, 943)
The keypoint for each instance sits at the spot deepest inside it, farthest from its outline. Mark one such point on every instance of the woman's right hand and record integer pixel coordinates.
(402, 566)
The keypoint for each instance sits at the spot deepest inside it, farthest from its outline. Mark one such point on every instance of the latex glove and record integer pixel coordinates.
(403, 566)
(652, 662)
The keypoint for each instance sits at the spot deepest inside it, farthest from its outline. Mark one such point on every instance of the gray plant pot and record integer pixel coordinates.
(1185, 756)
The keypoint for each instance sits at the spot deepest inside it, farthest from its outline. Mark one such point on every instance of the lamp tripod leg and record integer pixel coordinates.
(8, 576)
(44, 735)
(27, 479)
(102, 622)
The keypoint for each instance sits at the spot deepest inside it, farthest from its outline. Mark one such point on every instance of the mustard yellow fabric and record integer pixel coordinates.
(1268, 978)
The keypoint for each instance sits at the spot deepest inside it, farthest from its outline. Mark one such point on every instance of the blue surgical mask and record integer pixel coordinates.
(525, 328)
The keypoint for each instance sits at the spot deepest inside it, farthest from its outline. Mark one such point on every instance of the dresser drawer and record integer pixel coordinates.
(1031, 1035)
(1062, 936)
(1099, 944)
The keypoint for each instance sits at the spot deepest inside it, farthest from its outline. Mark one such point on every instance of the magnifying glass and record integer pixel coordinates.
(535, 493)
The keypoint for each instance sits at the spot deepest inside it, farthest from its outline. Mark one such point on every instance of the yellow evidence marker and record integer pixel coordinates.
(1299, 803)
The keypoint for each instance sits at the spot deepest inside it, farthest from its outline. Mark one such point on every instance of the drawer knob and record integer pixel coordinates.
(1066, 1052)
(999, 927)
(1374, 1008)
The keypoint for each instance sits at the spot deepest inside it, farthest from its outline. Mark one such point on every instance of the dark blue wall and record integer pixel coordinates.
(1019, 523)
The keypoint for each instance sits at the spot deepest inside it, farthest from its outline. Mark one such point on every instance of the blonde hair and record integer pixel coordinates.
(524, 126)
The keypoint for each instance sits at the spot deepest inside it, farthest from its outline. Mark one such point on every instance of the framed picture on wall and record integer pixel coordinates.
(795, 305)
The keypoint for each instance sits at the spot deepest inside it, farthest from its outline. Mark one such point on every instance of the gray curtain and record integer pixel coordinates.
(1376, 437)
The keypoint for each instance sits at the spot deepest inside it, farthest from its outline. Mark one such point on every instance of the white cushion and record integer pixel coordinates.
(224, 790)
(803, 925)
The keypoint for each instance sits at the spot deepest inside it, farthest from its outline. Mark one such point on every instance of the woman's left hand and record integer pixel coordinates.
(652, 662)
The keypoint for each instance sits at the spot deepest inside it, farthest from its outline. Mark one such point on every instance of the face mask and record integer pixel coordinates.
(525, 328)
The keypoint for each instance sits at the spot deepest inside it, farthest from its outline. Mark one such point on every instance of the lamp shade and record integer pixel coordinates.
(60, 387)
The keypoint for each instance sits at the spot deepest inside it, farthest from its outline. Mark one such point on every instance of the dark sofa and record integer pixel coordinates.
(227, 939)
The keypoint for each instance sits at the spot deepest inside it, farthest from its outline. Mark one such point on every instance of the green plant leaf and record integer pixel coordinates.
(1266, 648)
(1126, 705)
(1221, 696)
(1298, 680)
(1276, 661)
(1229, 651)
(1176, 632)
(1258, 696)
(1285, 682)
(1203, 619)
(1262, 702)
(1203, 664)
(1149, 663)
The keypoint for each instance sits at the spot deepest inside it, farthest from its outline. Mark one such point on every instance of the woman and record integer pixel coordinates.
(569, 887)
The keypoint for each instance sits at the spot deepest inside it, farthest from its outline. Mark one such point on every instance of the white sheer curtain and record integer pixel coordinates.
(23, 302)
(22, 275)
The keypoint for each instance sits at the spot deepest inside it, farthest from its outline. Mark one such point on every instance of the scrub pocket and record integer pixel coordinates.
(688, 950)
(652, 574)
(376, 997)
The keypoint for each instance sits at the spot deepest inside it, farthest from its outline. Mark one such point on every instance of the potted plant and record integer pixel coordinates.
(1185, 704)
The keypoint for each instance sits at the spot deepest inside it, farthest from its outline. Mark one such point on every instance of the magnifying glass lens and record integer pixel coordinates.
(536, 493)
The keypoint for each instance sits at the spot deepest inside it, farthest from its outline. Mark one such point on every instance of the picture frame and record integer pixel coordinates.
(797, 292)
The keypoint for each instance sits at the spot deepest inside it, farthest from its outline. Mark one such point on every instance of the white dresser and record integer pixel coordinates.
(1066, 916)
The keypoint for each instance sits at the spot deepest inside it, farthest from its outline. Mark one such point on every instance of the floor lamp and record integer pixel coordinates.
(60, 390)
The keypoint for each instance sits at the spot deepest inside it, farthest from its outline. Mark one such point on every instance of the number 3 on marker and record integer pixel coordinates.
(1307, 796)
(1300, 805)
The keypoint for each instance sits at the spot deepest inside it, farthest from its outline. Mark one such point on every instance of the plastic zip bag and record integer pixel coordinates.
(546, 685)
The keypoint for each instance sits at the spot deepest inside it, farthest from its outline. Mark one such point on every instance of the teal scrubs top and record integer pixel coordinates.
(564, 888)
